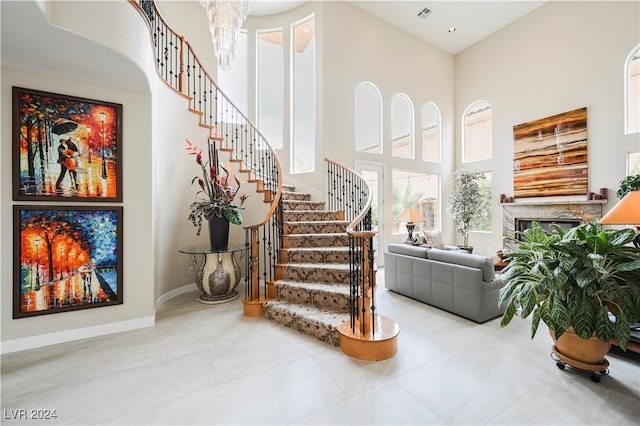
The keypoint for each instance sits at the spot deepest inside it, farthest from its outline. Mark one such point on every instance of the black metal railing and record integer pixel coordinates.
(181, 69)
(348, 191)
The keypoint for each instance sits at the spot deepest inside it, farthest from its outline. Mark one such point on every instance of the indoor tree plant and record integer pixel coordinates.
(465, 202)
(583, 280)
(214, 201)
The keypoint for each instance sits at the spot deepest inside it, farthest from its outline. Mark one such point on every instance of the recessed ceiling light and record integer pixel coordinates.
(452, 29)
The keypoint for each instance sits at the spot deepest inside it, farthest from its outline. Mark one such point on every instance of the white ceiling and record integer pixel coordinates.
(473, 19)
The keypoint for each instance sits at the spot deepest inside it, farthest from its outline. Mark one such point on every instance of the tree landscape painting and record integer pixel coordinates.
(550, 156)
(66, 259)
(65, 148)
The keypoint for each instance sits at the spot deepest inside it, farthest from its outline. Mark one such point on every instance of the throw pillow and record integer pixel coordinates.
(434, 239)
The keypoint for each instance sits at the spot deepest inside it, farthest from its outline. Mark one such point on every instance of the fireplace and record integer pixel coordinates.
(545, 223)
(519, 215)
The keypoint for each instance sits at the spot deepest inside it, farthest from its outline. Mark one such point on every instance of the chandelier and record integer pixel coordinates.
(225, 20)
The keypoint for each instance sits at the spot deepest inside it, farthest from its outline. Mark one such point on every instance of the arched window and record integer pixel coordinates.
(430, 126)
(632, 91)
(477, 132)
(368, 118)
(401, 126)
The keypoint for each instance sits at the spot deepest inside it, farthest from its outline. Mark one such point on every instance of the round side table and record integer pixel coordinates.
(219, 273)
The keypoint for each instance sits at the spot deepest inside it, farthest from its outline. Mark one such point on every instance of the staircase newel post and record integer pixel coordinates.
(252, 302)
(182, 75)
(255, 278)
(366, 286)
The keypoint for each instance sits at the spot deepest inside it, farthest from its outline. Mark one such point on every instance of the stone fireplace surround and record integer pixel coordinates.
(583, 211)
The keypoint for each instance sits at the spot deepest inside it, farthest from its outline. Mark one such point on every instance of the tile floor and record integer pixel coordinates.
(211, 365)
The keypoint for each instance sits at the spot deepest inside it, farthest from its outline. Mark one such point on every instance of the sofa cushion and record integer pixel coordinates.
(408, 250)
(461, 257)
(434, 239)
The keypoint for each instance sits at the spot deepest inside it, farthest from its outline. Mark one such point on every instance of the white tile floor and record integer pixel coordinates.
(211, 365)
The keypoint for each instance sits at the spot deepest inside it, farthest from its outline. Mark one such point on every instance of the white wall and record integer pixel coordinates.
(157, 171)
(359, 47)
(560, 57)
(137, 309)
(354, 46)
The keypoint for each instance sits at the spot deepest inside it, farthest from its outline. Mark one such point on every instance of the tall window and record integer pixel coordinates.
(477, 132)
(368, 118)
(632, 89)
(482, 220)
(234, 81)
(420, 191)
(270, 87)
(401, 126)
(633, 163)
(304, 97)
(430, 133)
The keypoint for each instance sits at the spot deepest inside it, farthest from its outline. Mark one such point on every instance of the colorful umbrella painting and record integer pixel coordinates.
(65, 148)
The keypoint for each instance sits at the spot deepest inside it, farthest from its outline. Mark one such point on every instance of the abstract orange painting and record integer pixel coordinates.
(550, 156)
(66, 258)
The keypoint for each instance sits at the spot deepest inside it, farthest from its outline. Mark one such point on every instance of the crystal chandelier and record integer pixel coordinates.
(225, 20)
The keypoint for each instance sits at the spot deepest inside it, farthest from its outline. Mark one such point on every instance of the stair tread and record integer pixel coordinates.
(325, 287)
(294, 192)
(335, 266)
(307, 211)
(324, 234)
(332, 318)
(314, 249)
(346, 222)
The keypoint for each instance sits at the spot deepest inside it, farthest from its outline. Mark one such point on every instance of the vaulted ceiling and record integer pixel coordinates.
(472, 20)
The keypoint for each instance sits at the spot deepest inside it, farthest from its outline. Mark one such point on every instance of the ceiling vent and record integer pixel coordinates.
(424, 13)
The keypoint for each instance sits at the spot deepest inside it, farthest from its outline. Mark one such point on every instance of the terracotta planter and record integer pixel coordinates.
(588, 351)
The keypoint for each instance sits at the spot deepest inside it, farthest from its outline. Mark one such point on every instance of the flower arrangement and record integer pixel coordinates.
(216, 194)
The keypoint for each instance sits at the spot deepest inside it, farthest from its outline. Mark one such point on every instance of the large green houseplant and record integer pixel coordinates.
(583, 277)
(465, 201)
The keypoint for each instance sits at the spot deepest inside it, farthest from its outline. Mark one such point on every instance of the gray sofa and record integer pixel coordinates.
(458, 282)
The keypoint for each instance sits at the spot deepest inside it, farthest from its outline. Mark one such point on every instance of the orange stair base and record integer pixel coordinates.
(253, 308)
(366, 347)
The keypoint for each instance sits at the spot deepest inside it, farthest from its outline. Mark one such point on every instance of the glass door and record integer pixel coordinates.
(373, 173)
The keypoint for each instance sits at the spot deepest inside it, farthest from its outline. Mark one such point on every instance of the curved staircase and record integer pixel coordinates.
(312, 277)
(309, 268)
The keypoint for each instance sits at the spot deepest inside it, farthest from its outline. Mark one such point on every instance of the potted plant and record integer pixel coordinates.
(628, 184)
(465, 202)
(582, 280)
(214, 201)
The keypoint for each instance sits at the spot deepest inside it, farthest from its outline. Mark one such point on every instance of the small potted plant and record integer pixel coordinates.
(214, 201)
(582, 282)
(465, 202)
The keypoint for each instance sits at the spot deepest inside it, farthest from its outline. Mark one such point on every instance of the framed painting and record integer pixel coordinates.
(66, 258)
(65, 148)
(550, 156)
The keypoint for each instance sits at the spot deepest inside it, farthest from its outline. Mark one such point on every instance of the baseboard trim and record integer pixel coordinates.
(65, 336)
(40, 340)
(174, 293)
